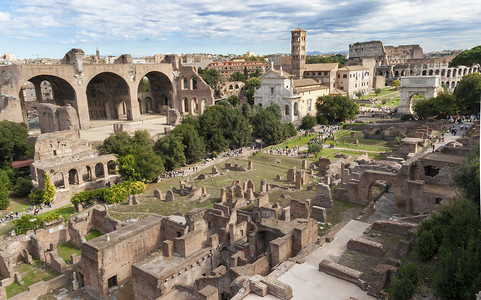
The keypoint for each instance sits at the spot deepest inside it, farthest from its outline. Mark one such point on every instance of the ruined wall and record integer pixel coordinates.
(303, 234)
(189, 243)
(113, 254)
(281, 249)
(57, 118)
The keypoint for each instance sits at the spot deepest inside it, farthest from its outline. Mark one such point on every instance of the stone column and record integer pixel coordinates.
(82, 103)
(133, 109)
(106, 170)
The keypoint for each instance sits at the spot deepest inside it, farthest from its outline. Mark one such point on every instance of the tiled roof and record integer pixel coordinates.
(321, 67)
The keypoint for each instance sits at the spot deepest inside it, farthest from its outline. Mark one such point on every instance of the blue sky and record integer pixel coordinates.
(49, 28)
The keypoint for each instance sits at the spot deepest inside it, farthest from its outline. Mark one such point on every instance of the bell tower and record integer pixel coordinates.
(298, 52)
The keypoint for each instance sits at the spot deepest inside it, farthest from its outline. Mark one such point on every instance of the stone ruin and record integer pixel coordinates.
(184, 189)
(323, 196)
(298, 177)
(173, 116)
(235, 167)
(71, 163)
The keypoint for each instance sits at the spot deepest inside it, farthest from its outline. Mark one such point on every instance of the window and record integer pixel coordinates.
(344, 76)
(272, 90)
(112, 281)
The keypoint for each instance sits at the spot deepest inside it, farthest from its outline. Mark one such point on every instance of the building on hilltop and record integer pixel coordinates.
(227, 68)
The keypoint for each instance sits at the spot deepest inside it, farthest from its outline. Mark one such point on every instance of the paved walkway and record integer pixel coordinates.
(308, 283)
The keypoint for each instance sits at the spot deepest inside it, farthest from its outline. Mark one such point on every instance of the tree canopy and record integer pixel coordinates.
(468, 93)
(441, 107)
(251, 86)
(13, 142)
(337, 108)
(467, 176)
(210, 76)
(467, 58)
(337, 58)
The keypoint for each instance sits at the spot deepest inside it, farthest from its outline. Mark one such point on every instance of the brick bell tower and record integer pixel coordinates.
(298, 52)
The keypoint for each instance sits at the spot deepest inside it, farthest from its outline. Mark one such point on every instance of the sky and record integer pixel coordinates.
(50, 28)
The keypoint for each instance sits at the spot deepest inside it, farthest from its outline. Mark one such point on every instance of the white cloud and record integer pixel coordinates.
(331, 24)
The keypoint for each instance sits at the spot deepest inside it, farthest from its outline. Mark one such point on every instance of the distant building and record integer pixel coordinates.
(298, 52)
(325, 73)
(354, 79)
(296, 98)
(227, 68)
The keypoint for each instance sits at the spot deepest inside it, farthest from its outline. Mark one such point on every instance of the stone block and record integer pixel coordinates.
(323, 196)
(209, 293)
(319, 214)
(366, 246)
(158, 194)
(305, 164)
(169, 196)
(167, 248)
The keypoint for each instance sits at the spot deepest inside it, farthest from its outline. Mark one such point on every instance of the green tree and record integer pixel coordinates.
(337, 58)
(145, 85)
(13, 142)
(467, 58)
(396, 84)
(377, 91)
(268, 127)
(359, 94)
(234, 100)
(44, 195)
(23, 187)
(403, 285)
(337, 108)
(194, 144)
(238, 76)
(4, 183)
(441, 107)
(308, 122)
(467, 176)
(211, 77)
(171, 149)
(468, 93)
(289, 130)
(251, 86)
(314, 148)
(117, 143)
(275, 109)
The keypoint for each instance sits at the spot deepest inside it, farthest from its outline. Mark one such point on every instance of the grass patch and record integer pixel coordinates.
(93, 234)
(18, 204)
(66, 249)
(64, 211)
(30, 274)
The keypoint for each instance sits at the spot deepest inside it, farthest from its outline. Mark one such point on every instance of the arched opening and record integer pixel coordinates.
(286, 110)
(108, 97)
(430, 72)
(437, 72)
(194, 82)
(448, 74)
(377, 189)
(453, 84)
(202, 106)
(99, 170)
(413, 99)
(194, 106)
(424, 73)
(403, 73)
(396, 74)
(160, 92)
(87, 174)
(185, 83)
(73, 177)
(44, 89)
(296, 109)
(411, 72)
(185, 105)
(58, 180)
(112, 167)
(460, 71)
(148, 105)
(465, 71)
(443, 72)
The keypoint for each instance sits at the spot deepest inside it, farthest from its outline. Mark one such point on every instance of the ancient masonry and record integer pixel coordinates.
(82, 92)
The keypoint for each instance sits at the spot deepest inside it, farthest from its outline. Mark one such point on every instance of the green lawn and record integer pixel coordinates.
(93, 234)
(394, 102)
(30, 275)
(384, 91)
(64, 250)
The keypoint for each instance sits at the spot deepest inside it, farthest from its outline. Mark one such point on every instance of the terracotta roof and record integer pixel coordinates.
(353, 68)
(305, 82)
(22, 163)
(321, 67)
(338, 92)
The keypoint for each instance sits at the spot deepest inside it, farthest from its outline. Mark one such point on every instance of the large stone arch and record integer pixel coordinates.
(62, 93)
(161, 91)
(427, 86)
(106, 92)
(399, 184)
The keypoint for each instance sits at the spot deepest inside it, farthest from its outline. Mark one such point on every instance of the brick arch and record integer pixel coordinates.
(398, 185)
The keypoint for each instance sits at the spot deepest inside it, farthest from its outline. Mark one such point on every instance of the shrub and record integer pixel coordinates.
(403, 285)
(407, 117)
(426, 246)
(23, 187)
(397, 140)
(322, 120)
(308, 122)
(115, 194)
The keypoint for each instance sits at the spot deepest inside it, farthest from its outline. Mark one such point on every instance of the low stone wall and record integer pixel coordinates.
(366, 246)
(396, 227)
(342, 272)
(42, 288)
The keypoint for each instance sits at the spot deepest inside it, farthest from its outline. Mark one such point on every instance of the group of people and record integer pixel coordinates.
(9, 216)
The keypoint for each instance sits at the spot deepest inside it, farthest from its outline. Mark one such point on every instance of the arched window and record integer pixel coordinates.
(185, 84)
(194, 83)
(286, 110)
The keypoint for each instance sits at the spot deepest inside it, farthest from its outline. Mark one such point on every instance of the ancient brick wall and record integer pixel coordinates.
(189, 243)
(281, 249)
